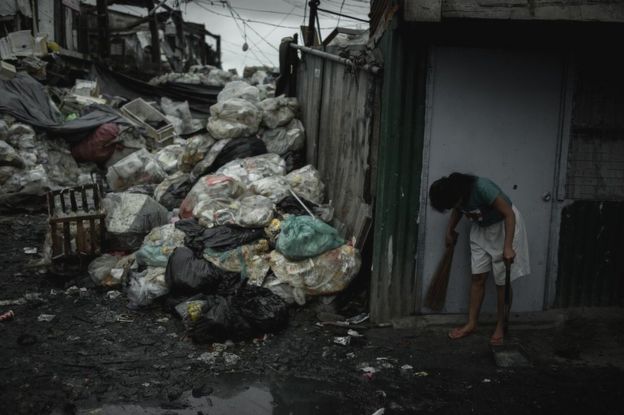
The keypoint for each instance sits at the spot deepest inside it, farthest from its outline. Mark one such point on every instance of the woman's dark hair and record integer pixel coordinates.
(446, 192)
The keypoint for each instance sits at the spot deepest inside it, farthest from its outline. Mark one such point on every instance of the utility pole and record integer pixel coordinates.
(311, 31)
(102, 21)
(153, 26)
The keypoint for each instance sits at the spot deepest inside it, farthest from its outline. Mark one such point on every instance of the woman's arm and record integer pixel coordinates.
(451, 235)
(505, 209)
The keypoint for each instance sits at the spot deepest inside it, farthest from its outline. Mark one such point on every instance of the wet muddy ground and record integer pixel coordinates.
(96, 356)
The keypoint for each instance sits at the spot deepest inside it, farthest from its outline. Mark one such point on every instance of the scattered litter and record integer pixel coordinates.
(208, 357)
(486, 380)
(113, 294)
(343, 341)
(46, 317)
(407, 367)
(8, 315)
(421, 374)
(230, 359)
(380, 411)
(72, 291)
(354, 333)
(28, 297)
(30, 251)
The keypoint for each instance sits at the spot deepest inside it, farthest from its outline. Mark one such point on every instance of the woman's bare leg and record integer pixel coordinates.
(477, 293)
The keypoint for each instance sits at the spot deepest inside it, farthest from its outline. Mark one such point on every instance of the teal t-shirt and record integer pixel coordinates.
(479, 207)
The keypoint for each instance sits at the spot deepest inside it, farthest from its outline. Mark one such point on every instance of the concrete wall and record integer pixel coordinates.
(337, 112)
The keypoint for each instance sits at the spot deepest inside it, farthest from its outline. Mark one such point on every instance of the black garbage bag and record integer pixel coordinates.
(219, 321)
(175, 194)
(294, 160)
(251, 312)
(292, 206)
(187, 275)
(265, 312)
(238, 148)
(220, 238)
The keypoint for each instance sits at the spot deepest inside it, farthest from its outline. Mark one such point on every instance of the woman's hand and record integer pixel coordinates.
(508, 255)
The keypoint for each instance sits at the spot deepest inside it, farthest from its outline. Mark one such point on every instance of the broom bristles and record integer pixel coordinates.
(436, 295)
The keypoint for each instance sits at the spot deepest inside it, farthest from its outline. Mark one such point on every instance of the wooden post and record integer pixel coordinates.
(153, 26)
(103, 33)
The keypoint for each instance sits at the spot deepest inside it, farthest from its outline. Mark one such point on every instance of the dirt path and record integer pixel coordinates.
(96, 356)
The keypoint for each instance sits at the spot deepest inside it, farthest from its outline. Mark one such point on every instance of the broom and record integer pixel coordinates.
(436, 295)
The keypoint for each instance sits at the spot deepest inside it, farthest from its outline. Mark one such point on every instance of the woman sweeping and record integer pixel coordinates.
(497, 237)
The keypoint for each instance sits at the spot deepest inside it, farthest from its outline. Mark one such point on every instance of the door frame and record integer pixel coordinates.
(559, 178)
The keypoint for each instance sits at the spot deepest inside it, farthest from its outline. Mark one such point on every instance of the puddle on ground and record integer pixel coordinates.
(231, 394)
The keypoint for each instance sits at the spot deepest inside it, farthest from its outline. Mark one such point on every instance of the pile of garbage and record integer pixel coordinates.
(218, 219)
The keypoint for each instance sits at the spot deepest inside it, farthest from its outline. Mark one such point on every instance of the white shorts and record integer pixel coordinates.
(486, 250)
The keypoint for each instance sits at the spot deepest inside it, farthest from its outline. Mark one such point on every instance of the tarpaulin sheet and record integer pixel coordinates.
(199, 97)
(25, 98)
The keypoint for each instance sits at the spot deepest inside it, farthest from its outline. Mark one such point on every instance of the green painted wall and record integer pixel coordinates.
(394, 292)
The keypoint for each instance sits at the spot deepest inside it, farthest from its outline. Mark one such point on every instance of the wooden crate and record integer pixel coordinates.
(77, 224)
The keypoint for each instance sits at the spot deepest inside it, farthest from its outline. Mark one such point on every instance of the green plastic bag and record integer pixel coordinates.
(305, 237)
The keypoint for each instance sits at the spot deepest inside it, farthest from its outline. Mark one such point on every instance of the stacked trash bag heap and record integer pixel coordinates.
(226, 226)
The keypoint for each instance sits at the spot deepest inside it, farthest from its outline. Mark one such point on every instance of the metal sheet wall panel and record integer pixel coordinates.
(394, 291)
(591, 255)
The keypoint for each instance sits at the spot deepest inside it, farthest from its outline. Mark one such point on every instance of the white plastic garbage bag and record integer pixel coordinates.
(217, 77)
(279, 111)
(275, 188)
(239, 89)
(21, 137)
(180, 111)
(255, 212)
(168, 157)
(139, 167)
(234, 118)
(327, 274)
(251, 169)
(195, 150)
(33, 181)
(129, 217)
(147, 286)
(258, 77)
(281, 140)
(306, 182)
(158, 245)
(8, 156)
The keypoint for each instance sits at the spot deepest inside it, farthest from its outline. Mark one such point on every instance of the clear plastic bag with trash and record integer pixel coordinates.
(158, 245)
(275, 188)
(255, 212)
(146, 286)
(251, 169)
(278, 111)
(250, 260)
(209, 188)
(234, 118)
(139, 167)
(171, 192)
(282, 140)
(197, 147)
(326, 274)
(168, 157)
(306, 182)
(241, 90)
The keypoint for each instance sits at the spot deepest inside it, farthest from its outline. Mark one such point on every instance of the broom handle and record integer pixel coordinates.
(507, 295)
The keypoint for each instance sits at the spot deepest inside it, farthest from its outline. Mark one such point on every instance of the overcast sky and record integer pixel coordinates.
(263, 35)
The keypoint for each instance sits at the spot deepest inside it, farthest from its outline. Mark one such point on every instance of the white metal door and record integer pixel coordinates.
(492, 113)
